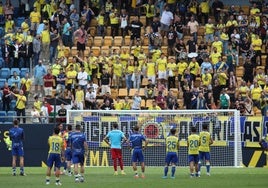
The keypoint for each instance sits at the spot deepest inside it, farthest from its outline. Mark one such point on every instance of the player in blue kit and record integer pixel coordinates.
(68, 150)
(55, 155)
(16, 135)
(172, 147)
(136, 141)
(79, 152)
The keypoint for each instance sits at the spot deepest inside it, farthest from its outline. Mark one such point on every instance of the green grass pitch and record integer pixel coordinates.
(102, 177)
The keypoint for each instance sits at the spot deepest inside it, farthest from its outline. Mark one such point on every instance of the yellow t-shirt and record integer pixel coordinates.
(1, 10)
(79, 96)
(28, 83)
(55, 143)
(71, 76)
(256, 93)
(130, 69)
(114, 19)
(193, 144)
(209, 28)
(231, 22)
(218, 45)
(224, 36)
(55, 68)
(25, 26)
(243, 90)
(37, 105)
(215, 57)
(126, 106)
(117, 68)
(100, 20)
(35, 17)
(256, 43)
(206, 79)
(150, 69)
(181, 67)
(204, 6)
(172, 66)
(38, 6)
(154, 108)
(9, 25)
(149, 10)
(118, 106)
(21, 100)
(124, 59)
(222, 78)
(172, 144)
(45, 35)
(205, 138)
(194, 67)
(161, 64)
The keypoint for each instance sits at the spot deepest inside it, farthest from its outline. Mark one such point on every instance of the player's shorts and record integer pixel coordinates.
(162, 74)
(116, 153)
(204, 155)
(171, 157)
(137, 155)
(68, 154)
(78, 158)
(17, 150)
(54, 158)
(193, 158)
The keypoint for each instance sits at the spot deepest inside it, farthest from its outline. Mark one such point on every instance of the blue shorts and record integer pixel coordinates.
(54, 158)
(78, 158)
(137, 155)
(17, 151)
(204, 155)
(171, 157)
(193, 158)
(68, 154)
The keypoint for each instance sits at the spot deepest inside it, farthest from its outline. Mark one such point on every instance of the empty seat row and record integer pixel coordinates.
(5, 73)
(7, 117)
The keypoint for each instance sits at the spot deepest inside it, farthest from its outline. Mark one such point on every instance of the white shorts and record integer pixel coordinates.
(162, 74)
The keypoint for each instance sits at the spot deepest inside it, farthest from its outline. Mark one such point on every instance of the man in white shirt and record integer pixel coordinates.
(166, 21)
(82, 78)
(94, 87)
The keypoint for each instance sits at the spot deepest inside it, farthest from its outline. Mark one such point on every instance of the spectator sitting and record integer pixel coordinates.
(15, 80)
(160, 100)
(35, 115)
(154, 106)
(62, 112)
(149, 90)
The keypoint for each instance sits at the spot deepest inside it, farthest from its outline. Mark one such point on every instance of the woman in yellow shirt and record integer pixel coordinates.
(256, 94)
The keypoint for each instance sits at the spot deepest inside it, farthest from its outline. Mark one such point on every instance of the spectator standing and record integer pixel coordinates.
(82, 36)
(35, 18)
(217, 7)
(135, 27)
(48, 83)
(82, 78)
(6, 97)
(166, 20)
(39, 73)
(105, 82)
(20, 104)
(66, 33)
(36, 49)
(224, 100)
(136, 105)
(193, 27)
(45, 42)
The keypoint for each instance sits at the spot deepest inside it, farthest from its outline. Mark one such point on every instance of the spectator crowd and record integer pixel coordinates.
(175, 54)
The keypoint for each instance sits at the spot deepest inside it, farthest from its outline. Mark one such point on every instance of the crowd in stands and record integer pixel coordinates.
(149, 54)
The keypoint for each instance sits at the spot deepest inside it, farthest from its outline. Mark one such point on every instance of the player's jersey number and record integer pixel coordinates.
(171, 145)
(193, 143)
(204, 140)
(55, 146)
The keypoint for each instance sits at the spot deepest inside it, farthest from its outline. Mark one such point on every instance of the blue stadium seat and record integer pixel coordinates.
(2, 61)
(3, 115)
(11, 115)
(5, 73)
(19, 21)
(23, 71)
(15, 69)
(13, 105)
(2, 82)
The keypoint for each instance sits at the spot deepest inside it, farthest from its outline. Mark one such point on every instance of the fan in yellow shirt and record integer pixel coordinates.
(206, 78)
(256, 92)
(118, 105)
(80, 98)
(154, 106)
(217, 44)
(194, 68)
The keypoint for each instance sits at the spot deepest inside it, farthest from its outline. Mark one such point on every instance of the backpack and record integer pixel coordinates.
(223, 100)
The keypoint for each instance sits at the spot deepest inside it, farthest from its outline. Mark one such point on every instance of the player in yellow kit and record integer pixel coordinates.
(193, 144)
(204, 149)
(55, 154)
(172, 147)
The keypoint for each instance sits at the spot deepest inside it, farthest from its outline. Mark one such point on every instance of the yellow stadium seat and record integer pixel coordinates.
(108, 41)
(97, 41)
(118, 40)
(122, 92)
(105, 49)
(127, 40)
(95, 50)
